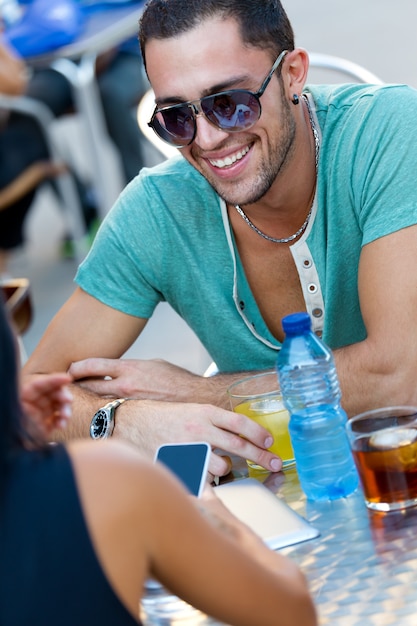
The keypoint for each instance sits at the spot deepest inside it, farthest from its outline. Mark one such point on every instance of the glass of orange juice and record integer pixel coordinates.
(259, 397)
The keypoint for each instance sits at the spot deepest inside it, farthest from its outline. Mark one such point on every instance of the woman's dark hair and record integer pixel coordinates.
(263, 23)
(12, 421)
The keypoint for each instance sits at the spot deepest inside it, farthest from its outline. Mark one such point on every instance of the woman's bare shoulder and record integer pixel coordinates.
(119, 461)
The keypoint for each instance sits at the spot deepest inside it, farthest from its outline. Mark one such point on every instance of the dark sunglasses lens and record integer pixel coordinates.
(232, 110)
(175, 125)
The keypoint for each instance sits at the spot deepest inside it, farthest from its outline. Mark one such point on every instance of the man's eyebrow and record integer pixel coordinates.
(231, 83)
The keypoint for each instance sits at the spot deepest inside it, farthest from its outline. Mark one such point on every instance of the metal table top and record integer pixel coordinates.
(362, 570)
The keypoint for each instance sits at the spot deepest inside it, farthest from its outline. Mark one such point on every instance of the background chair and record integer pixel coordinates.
(16, 294)
(339, 66)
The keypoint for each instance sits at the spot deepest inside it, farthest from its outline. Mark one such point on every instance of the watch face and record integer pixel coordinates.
(100, 424)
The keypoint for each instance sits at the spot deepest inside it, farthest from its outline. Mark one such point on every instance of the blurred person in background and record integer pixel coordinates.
(42, 26)
(122, 82)
(24, 159)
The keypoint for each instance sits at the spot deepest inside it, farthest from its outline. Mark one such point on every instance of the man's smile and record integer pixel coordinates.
(229, 160)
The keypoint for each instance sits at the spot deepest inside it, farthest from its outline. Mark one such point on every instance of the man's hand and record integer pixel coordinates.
(189, 415)
(153, 379)
(134, 378)
(47, 400)
(149, 424)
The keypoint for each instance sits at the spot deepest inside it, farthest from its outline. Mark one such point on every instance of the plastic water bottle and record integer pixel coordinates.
(311, 393)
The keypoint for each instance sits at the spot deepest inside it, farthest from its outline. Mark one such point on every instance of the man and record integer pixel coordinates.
(306, 203)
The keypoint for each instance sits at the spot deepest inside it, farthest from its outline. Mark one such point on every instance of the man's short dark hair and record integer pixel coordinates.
(263, 23)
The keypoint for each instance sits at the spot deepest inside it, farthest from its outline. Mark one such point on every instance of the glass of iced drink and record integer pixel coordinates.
(384, 446)
(259, 398)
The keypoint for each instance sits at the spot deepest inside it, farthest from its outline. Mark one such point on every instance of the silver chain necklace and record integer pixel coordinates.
(304, 225)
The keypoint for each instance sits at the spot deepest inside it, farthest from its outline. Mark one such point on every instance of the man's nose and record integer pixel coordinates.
(208, 135)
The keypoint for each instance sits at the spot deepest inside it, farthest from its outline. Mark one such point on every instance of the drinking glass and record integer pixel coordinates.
(384, 447)
(259, 397)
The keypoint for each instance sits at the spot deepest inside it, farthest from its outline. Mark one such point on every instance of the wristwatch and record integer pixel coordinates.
(102, 424)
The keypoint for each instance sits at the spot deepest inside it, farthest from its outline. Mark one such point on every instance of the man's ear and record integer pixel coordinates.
(294, 71)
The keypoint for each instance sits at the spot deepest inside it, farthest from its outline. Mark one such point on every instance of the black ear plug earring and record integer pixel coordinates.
(295, 99)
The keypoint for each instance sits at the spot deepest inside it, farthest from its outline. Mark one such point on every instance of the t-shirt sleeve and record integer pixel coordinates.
(384, 163)
(121, 268)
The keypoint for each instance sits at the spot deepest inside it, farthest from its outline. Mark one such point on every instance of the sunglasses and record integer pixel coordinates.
(233, 111)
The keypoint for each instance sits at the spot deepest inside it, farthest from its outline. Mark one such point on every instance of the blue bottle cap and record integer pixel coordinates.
(296, 323)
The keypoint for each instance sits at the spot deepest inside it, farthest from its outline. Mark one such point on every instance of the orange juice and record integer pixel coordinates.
(270, 412)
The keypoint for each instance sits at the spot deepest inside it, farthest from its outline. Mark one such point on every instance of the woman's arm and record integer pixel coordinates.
(220, 566)
(154, 528)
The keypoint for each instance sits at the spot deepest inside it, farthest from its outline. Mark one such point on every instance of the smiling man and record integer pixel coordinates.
(283, 197)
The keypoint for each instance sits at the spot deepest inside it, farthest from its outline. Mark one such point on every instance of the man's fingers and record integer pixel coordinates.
(219, 466)
(235, 444)
(94, 367)
(98, 385)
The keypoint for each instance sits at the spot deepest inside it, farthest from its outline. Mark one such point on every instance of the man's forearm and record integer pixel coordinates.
(86, 403)
(149, 423)
(369, 380)
(136, 424)
(84, 406)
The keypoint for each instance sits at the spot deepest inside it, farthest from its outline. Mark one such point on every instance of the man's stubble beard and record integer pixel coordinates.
(268, 170)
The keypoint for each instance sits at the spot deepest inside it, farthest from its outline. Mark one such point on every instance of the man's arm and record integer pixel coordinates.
(152, 379)
(87, 338)
(381, 370)
(83, 328)
(150, 423)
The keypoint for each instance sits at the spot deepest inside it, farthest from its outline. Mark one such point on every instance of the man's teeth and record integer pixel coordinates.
(230, 159)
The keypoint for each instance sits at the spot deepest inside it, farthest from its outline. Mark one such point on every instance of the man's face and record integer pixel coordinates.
(241, 166)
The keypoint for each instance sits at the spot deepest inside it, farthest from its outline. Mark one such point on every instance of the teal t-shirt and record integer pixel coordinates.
(168, 239)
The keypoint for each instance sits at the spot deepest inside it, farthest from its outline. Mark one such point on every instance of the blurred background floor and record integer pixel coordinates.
(378, 34)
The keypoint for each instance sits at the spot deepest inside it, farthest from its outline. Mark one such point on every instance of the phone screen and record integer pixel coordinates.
(188, 461)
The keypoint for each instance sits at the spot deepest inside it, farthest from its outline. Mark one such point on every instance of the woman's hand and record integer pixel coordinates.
(47, 400)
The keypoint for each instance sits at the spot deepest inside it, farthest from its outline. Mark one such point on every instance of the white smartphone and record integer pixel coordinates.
(188, 461)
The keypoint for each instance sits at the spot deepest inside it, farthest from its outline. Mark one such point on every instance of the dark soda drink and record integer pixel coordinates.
(387, 466)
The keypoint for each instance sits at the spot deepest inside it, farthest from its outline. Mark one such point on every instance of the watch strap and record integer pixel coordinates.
(114, 403)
